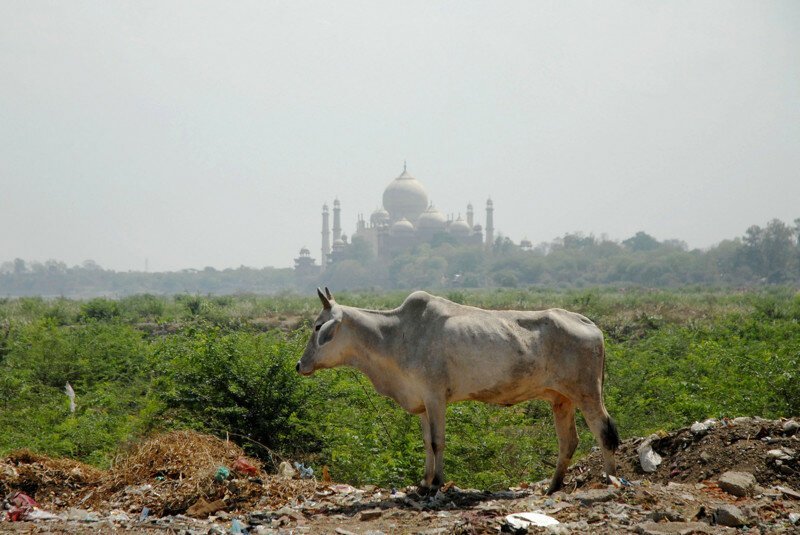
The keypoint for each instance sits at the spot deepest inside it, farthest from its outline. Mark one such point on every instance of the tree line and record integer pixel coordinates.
(764, 255)
(767, 255)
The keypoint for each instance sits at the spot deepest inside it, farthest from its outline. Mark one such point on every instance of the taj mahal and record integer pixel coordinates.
(406, 219)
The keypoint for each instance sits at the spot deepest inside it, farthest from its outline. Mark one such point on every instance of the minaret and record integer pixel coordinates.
(326, 238)
(337, 221)
(470, 221)
(489, 223)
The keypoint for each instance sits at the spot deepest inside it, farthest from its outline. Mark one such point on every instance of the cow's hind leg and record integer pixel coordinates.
(604, 430)
(564, 413)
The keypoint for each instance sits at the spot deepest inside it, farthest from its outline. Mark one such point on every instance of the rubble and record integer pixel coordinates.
(737, 483)
(730, 515)
(168, 484)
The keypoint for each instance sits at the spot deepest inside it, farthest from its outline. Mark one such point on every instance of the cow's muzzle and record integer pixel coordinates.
(302, 370)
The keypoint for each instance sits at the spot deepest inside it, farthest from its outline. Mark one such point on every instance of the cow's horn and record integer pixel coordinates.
(325, 302)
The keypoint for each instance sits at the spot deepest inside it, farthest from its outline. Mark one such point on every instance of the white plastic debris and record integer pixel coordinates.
(648, 458)
(286, 471)
(526, 520)
(701, 428)
(71, 395)
(780, 455)
(40, 514)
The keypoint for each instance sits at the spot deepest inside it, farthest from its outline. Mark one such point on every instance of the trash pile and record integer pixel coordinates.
(716, 476)
(765, 448)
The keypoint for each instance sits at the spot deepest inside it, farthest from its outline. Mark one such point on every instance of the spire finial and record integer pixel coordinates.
(404, 166)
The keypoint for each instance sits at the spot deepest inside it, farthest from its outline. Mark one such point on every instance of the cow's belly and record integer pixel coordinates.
(497, 381)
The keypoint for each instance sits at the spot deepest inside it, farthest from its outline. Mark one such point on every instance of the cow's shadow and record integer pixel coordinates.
(453, 499)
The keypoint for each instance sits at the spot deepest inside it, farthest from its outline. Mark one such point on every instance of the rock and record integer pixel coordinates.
(699, 428)
(741, 420)
(791, 493)
(370, 514)
(673, 528)
(286, 471)
(791, 427)
(588, 497)
(794, 518)
(666, 514)
(731, 516)
(737, 483)
(118, 516)
(342, 531)
(705, 456)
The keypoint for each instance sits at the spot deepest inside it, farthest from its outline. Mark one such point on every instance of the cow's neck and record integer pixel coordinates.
(374, 334)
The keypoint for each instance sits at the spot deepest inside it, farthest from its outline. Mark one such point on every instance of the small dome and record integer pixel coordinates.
(431, 219)
(379, 217)
(477, 228)
(304, 251)
(405, 197)
(336, 202)
(489, 202)
(403, 227)
(469, 206)
(459, 227)
(526, 244)
(338, 242)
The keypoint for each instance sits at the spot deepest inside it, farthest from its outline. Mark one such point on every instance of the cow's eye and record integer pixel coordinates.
(318, 327)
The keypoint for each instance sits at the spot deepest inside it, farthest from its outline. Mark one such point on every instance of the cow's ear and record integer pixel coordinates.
(326, 304)
(326, 332)
(328, 294)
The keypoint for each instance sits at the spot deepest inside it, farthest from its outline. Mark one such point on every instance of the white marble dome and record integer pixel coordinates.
(459, 227)
(405, 197)
(431, 219)
(402, 227)
(379, 217)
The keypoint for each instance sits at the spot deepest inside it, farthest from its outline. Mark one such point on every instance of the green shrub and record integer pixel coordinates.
(100, 309)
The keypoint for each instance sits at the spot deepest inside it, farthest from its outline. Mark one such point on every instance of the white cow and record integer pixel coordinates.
(429, 352)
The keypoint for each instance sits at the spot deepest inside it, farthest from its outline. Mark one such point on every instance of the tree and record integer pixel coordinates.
(641, 241)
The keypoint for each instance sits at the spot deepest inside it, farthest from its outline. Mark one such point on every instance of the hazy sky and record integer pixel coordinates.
(209, 134)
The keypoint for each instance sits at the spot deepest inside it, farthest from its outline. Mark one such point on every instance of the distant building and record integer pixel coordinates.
(304, 265)
(406, 218)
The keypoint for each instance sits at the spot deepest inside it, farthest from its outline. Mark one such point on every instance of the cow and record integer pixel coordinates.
(429, 352)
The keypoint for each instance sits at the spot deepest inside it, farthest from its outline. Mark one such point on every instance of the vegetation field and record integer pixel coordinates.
(225, 365)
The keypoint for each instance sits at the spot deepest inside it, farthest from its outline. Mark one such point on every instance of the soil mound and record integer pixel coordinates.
(704, 451)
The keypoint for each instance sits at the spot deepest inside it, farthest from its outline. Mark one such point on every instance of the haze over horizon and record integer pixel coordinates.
(201, 134)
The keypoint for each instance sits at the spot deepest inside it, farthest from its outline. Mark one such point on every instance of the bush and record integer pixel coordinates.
(236, 382)
(100, 309)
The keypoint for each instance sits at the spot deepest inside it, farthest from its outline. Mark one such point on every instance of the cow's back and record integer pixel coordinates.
(497, 356)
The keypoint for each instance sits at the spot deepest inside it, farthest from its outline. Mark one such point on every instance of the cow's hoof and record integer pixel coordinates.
(425, 491)
(554, 487)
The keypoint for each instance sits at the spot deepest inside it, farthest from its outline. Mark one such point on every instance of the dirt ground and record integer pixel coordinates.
(174, 484)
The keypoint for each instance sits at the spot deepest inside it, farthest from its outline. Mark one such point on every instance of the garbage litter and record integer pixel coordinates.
(648, 458)
(526, 520)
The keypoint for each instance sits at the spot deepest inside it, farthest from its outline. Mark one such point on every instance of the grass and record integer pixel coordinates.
(215, 364)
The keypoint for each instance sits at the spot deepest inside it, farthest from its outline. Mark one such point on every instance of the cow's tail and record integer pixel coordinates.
(611, 439)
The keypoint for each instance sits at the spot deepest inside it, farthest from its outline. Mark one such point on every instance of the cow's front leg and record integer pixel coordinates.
(433, 435)
(430, 457)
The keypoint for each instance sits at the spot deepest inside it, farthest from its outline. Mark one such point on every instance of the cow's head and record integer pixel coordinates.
(324, 348)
